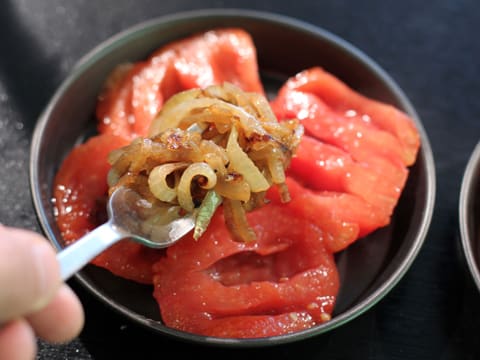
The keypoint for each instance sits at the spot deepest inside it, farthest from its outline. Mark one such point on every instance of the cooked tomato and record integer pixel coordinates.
(213, 57)
(284, 281)
(80, 186)
(80, 189)
(324, 167)
(360, 139)
(114, 106)
(134, 95)
(154, 83)
(353, 162)
(343, 217)
(344, 100)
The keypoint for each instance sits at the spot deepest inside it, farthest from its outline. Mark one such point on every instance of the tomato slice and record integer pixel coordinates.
(284, 281)
(254, 326)
(341, 216)
(324, 167)
(80, 186)
(129, 103)
(114, 105)
(344, 100)
(352, 134)
(155, 82)
(80, 193)
(215, 56)
(352, 161)
(130, 260)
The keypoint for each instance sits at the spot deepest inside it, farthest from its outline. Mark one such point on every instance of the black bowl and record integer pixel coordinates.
(469, 214)
(285, 46)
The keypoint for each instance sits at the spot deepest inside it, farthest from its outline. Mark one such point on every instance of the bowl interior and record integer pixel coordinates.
(69, 119)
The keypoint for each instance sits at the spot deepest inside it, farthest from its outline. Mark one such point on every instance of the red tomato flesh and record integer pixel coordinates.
(129, 105)
(80, 190)
(284, 281)
(323, 167)
(344, 100)
(350, 133)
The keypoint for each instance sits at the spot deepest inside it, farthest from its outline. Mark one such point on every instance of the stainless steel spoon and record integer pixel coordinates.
(130, 216)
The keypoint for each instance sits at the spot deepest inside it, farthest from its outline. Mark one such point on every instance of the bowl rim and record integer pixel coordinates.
(282, 20)
(466, 201)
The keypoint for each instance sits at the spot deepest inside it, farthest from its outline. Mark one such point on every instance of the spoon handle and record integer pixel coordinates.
(78, 254)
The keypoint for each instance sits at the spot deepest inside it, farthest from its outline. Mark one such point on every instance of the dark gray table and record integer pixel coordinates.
(429, 48)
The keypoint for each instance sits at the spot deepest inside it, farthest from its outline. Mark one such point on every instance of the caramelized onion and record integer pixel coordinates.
(207, 147)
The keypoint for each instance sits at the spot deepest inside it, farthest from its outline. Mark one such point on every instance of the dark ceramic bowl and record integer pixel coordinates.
(469, 214)
(285, 46)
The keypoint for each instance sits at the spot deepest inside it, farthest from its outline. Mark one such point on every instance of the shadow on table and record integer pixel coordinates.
(465, 303)
(25, 68)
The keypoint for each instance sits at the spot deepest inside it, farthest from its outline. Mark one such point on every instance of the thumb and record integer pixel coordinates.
(29, 273)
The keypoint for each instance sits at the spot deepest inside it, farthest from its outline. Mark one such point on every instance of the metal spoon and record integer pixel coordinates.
(129, 217)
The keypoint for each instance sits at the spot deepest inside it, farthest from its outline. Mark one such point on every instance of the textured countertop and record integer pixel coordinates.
(430, 50)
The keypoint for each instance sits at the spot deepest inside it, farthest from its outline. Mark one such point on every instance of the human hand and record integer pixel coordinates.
(33, 299)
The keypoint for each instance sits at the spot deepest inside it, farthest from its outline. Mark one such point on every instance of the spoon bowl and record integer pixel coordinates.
(130, 216)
